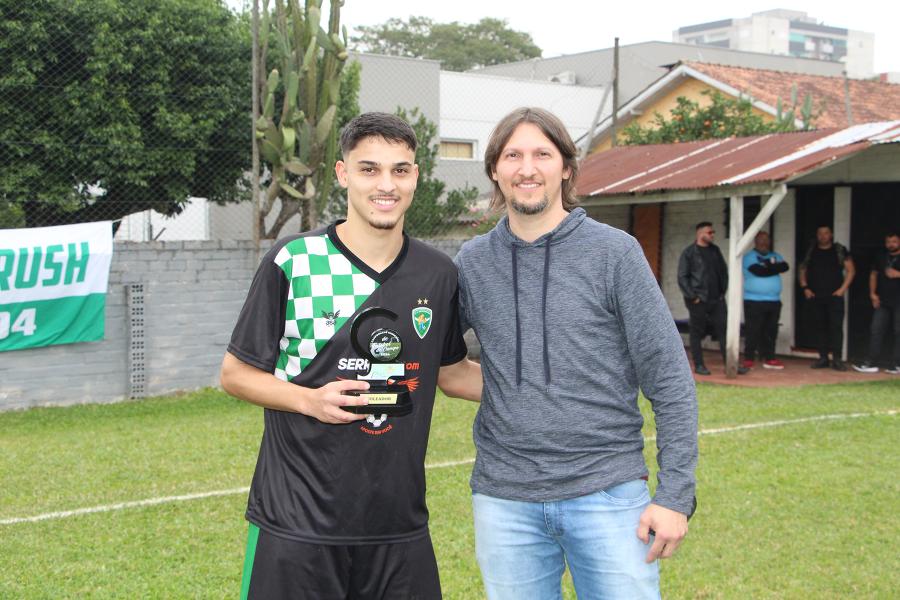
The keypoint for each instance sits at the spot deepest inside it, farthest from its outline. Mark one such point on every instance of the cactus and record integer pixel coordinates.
(299, 144)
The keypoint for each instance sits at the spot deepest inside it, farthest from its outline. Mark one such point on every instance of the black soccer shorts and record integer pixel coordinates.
(278, 568)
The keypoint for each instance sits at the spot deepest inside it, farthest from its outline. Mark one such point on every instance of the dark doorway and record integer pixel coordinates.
(875, 209)
(815, 208)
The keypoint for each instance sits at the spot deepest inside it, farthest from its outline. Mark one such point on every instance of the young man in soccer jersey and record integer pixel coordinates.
(572, 323)
(337, 503)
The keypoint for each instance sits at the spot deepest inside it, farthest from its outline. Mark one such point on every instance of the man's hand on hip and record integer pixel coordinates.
(670, 526)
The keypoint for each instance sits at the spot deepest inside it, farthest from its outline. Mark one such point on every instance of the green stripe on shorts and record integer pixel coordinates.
(252, 538)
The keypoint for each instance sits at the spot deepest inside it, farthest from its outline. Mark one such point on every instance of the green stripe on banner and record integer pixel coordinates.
(49, 322)
(252, 538)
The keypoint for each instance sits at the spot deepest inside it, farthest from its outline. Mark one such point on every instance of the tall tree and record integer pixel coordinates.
(108, 107)
(458, 46)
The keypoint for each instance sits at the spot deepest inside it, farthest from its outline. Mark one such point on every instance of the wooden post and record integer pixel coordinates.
(735, 286)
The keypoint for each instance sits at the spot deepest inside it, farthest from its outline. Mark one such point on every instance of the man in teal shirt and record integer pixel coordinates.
(762, 302)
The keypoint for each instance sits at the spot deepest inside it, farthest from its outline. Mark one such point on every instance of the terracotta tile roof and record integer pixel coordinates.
(772, 158)
(870, 100)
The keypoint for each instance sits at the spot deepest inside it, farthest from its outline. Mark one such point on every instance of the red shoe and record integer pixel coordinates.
(747, 363)
(773, 363)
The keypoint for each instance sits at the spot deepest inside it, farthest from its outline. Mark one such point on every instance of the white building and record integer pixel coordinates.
(787, 32)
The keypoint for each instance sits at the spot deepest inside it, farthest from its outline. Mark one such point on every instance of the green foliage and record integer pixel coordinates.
(348, 108)
(722, 117)
(458, 46)
(11, 215)
(108, 107)
(428, 214)
(298, 143)
(348, 104)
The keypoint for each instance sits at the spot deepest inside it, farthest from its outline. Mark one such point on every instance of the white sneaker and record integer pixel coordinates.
(895, 370)
(866, 367)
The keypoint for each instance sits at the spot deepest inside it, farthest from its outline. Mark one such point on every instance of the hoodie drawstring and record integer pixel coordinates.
(544, 309)
(515, 274)
(544, 288)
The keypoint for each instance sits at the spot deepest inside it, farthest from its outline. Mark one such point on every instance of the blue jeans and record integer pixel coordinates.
(523, 547)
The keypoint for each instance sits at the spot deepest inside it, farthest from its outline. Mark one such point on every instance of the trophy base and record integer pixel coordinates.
(383, 399)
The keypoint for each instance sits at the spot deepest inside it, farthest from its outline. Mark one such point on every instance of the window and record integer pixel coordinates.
(458, 150)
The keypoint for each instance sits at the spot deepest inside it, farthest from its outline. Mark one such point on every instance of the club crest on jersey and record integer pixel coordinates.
(330, 317)
(421, 316)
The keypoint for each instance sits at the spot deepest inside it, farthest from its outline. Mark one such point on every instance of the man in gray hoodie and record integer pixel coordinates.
(572, 324)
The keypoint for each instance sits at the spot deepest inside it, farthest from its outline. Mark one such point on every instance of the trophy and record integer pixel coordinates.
(388, 394)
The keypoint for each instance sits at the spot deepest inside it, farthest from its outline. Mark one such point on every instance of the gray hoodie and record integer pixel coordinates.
(571, 325)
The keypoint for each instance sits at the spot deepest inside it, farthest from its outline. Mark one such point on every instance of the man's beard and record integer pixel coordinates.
(384, 225)
(528, 209)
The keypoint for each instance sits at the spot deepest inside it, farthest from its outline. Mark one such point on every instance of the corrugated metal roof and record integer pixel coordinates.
(731, 161)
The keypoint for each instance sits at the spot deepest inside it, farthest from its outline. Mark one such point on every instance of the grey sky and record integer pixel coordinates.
(570, 26)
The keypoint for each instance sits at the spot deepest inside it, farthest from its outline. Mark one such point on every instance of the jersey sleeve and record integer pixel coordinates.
(464, 321)
(260, 326)
(454, 345)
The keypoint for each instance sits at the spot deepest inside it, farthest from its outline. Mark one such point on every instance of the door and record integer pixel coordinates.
(646, 226)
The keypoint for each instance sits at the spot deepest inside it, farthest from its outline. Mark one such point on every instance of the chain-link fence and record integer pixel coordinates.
(139, 112)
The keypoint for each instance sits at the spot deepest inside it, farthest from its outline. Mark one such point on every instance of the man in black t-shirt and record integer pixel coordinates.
(703, 279)
(825, 275)
(337, 503)
(884, 291)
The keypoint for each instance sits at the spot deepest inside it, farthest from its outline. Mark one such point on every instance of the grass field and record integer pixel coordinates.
(803, 509)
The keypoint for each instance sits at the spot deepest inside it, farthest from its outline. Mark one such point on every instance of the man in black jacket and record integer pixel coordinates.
(703, 279)
(825, 276)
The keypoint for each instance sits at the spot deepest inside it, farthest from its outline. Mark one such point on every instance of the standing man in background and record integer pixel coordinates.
(825, 275)
(703, 279)
(762, 302)
(884, 292)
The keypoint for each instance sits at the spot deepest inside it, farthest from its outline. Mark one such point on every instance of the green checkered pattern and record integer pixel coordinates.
(323, 284)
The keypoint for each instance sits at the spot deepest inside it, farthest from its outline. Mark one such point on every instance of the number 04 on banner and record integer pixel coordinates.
(53, 283)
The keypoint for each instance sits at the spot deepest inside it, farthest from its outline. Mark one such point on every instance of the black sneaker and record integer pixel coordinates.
(701, 370)
(822, 363)
(742, 370)
(838, 365)
(865, 367)
(895, 370)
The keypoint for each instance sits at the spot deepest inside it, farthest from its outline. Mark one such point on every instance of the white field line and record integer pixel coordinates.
(441, 465)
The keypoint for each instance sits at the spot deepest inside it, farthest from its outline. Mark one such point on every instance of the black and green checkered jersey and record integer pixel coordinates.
(362, 482)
